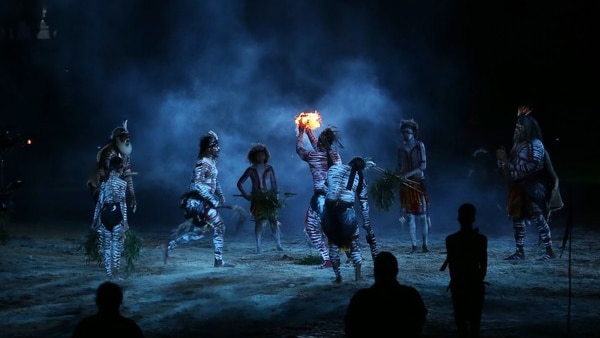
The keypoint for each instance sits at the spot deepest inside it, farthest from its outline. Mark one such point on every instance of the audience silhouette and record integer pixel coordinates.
(387, 308)
(108, 321)
(467, 262)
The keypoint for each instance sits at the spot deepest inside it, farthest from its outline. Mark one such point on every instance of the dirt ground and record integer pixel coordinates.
(47, 286)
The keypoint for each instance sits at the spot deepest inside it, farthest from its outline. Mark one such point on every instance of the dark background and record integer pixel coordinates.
(176, 69)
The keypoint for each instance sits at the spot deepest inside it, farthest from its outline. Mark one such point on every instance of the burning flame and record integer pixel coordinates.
(308, 120)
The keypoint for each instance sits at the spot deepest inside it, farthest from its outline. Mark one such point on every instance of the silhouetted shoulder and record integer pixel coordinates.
(370, 310)
(107, 326)
(462, 236)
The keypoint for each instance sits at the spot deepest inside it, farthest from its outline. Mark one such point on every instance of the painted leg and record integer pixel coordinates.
(422, 221)
(313, 230)
(276, 230)
(356, 255)
(545, 235)
(104, 249)
(218, 240)
(335, 263)
(117, 246)
(519, 232)
(258, 228)
(412, 228)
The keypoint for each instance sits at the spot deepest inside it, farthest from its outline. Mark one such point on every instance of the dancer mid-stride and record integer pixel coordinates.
(200, 202)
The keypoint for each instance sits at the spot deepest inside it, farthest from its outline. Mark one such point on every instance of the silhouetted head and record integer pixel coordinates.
(526, 128)
(109, 297)
(358, 163)
(255, 150)
(328, 137)
(466, 215)
(385, 266)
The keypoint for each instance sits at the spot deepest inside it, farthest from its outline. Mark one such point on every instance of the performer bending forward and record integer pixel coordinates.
(345, 183)
(200, 202)
(319, 160)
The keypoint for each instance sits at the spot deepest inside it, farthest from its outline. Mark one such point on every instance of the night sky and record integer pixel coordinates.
(176, 69)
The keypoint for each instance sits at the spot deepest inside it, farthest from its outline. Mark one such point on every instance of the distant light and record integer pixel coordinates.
(29, 142)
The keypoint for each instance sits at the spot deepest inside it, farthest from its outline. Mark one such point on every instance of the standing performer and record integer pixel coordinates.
(119, 145)
(346, 183)
(533, 183)
(319, 160)
(414, 200)
(200, 202)
(263, 197)
(467, 260)
(110, 217)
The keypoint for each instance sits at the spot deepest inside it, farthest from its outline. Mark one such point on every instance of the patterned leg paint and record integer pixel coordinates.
(117, 243)
(519, 232)
(356, 255)
(545, 235)
(422, 220)
(276, 229)
(218, 239)
(104, 244)
(195, 235)
(335, 263)
(258, 229)
(372, 241)
(313, 230)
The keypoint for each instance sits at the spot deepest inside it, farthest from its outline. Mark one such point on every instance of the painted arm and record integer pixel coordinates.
(272, 180)
(300, 149)
(241, 181)
(529, 159)
(96, 219)
(128, 176)
(313, 140)
(123, 206)
(219, 192)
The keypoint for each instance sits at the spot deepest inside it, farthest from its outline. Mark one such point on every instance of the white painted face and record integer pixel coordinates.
(123, 143)
(408, 134)
(213, 150)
